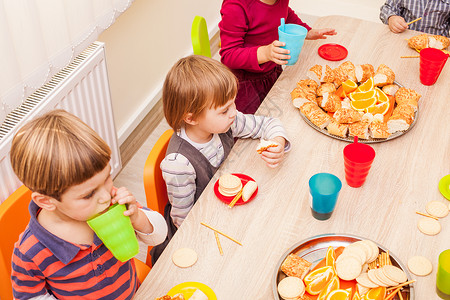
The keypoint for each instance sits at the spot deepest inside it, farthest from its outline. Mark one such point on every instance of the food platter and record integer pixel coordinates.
(314, 250)
(227, 200)
(370, 140)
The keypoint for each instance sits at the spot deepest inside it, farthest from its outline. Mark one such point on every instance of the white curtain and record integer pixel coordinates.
(40, 37)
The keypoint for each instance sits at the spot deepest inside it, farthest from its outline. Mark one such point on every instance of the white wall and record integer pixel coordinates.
(151, 35)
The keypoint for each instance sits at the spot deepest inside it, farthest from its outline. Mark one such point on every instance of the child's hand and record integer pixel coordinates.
(274, 155)
(123, 196)
(397, 24)
(273, 52)
(316, 34)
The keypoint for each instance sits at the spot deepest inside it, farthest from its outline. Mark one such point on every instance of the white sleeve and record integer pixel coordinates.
(47, 296)
(256, 127)
(179, 175)
(159, 229)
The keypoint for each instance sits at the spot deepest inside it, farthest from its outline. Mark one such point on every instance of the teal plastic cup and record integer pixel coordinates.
(324, 189)
(116, 232)
(293, 36)
(443, 275)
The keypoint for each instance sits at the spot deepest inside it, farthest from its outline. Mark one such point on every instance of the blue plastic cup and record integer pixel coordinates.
(293, 36)
(324, 189)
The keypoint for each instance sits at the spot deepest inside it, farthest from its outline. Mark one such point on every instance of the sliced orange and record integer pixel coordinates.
(349, 86)
(362, 105)
(326, 271)
(362, 95)
(366, 86)
(376, 294)
(381, 96)
(330, 257)
(339, 295)
(340, 92)
(331, 286)
(356, 296)
(381, 108)
(320, 282)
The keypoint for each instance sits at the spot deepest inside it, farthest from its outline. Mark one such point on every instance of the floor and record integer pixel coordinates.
(132, 173)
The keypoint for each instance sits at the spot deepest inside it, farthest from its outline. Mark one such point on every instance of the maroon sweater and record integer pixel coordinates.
(247, 25)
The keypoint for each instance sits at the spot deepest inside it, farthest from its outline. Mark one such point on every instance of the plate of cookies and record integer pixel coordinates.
(356, 100)
(338, 266)
(228, 186)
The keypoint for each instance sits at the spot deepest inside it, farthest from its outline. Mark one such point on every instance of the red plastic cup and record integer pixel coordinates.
(358, 159)
(432, 62)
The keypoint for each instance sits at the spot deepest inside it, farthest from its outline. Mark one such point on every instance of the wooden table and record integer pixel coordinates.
(403, 178)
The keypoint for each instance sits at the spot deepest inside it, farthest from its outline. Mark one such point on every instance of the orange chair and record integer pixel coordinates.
(14, 218)
(154, 185)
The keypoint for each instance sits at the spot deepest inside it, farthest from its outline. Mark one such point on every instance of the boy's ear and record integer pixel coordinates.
(188, 119)
(43, 201)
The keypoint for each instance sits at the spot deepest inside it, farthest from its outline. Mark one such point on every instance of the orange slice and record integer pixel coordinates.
(381, 108)
(326, 271)
(331, 286)
(319, 282)
(356, 296)
(366, 86)
(362, 95)
(340, 92)
(330, 258)
(376, 294)
(381, 96)
(349, 86)
(339, 295)
(362, 105)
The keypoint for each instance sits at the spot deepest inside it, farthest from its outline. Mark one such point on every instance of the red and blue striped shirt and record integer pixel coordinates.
(43, 263)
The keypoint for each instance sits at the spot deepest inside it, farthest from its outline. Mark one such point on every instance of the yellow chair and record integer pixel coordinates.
(14, 218)
(154, 185)
(200, 37)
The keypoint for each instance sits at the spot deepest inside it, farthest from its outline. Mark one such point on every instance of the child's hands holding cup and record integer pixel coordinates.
(124, 196)
(273, 52)
(274, 155)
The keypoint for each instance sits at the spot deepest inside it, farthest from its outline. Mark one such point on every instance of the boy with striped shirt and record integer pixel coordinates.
(66, 166)
(198, 101)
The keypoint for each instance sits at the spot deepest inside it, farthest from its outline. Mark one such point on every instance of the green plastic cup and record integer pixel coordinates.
(443, 274)
(116, 232)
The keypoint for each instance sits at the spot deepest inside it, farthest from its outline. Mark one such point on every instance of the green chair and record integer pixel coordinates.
(200, 38)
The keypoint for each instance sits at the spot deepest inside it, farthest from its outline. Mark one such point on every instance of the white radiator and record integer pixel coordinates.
(81, 88)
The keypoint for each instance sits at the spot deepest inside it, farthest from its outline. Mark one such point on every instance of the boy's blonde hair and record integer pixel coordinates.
(56, 151)
(193, 84)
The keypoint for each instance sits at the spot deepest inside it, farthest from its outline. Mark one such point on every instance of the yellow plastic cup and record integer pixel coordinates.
(116, 232)
(443, 274)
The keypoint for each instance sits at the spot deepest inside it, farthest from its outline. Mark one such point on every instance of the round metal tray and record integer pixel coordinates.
(315, 248)
(364, 141)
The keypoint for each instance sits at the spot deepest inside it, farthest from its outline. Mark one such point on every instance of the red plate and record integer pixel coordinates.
(244, 179)
(333, 52)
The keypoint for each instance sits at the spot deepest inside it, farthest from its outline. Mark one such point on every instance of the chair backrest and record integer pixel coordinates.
(200, 37)
(14, 218)
(154, 184)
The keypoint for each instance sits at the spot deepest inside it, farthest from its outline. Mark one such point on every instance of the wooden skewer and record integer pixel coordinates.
(427, 215)
(218, 242)
(392, 295)
(235, 199)
(418, 19)
(218, 231)
(410, 56)
(400, 285)
(400, 294)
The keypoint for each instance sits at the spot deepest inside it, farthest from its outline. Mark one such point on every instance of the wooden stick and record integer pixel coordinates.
(410, 56)
(392, 295)
(400, 294)
(235, 199)
(418, 19)
(427, 215)
(218, 231)
(218, 243)
(400, 285)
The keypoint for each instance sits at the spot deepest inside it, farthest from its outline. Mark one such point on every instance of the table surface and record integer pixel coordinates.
(403, 178)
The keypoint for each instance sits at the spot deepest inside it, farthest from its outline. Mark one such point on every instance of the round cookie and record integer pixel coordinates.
(291, 288)
(364, 280)
(184, 257)
(419, 265)
(374, 248)
(429, 226)
(437, 209)
(372, 276)
(394, 273)
(348, 267)
(356, 251)
(229, 185)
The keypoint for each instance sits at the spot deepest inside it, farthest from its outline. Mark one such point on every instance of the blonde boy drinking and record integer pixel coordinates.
(198, 101)
(66, 166)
